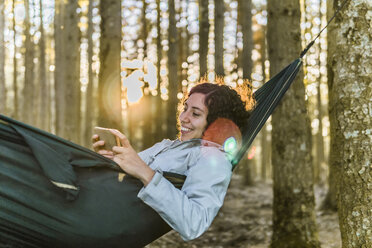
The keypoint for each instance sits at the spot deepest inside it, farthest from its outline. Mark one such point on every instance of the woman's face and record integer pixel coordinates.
(194, 117)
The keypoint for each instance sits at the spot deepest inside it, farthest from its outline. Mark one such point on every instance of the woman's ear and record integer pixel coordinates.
(221, 130)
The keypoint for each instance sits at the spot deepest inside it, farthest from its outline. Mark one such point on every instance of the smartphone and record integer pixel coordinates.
(110, 139)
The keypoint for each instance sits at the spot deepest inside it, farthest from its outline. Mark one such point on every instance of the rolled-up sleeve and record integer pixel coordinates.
(191, 210)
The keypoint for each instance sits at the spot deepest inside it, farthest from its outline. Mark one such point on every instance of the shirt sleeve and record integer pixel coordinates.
(191, 210)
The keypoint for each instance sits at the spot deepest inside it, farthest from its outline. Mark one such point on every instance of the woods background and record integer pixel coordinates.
(67, 66)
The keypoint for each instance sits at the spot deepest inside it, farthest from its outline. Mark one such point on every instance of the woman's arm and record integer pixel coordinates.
(190, 211)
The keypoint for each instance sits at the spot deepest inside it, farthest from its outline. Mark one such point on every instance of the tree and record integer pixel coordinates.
(28, 88)
(330, 201)
(219, 23)
(159, 102)
(172, 72)
(247, 64)
(89, 103)
(350, 108)
(15, 73)
(109, 84)
(293, 209)
(43, 108)
(2, 60)
(67, 71)
(203, 36)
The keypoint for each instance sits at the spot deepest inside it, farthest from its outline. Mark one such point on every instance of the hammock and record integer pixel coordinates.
(54, 193)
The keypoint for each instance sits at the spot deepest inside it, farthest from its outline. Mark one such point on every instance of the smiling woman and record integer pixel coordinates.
(197, 154)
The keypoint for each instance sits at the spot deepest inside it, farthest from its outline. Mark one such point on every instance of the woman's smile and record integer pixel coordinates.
(194, 117)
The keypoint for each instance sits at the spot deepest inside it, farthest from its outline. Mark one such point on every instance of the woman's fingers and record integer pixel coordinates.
(105, 153)
(123, 139)
(97, 145)
(95, 137)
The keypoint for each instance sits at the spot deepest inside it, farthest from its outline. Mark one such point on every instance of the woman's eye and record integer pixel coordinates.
(195, 114)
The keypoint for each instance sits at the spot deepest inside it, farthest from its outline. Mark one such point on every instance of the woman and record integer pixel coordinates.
(191, 210)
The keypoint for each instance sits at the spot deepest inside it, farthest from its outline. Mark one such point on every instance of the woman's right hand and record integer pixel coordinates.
(97, 147)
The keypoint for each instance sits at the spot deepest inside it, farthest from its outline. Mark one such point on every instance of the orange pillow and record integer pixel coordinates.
(221, 131)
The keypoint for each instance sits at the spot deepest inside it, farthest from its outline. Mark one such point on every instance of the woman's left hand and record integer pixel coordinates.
(127, 158)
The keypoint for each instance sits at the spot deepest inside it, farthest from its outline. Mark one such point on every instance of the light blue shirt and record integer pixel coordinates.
(191, 210)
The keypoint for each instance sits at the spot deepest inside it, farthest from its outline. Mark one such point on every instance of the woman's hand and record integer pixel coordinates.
(127, 158)
(97, 147)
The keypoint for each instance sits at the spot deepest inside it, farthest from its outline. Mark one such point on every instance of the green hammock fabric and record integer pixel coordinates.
(54, 193)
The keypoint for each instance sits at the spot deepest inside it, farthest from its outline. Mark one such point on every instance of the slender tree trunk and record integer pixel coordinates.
(159, 102)
(352, 120)
(265, 144)
(219, 23)
(59, 85)
(335, 152)
(15, 73)
(3, 96)
(144, 32)
(247, 63)
(203, 36)
(109, 85)
(147, 128)
(68, 79)
(320, 157)
(293, 214)
(89, 103)
(172, 72)
(44, 88)
(28, 88)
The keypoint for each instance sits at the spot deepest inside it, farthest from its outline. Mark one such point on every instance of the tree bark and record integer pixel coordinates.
(15, 73)
(147, 128)
(172, 72)
(351, 109)
(159, 102)
(109, 84)
(59, 86)
(28, 98)
(293, 214)
(3, 93)
(330, 201)
(247, 62)
(265, 134)
(203, 36)
(43, 108)
(67, 82)
(89, 103)
(219, 24)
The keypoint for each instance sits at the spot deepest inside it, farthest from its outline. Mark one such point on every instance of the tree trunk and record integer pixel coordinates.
(109, 85)
(43, 110)
(203, 36)
(147, 128)
(335, 152)
(172, 73)
(265, 143)
(351, 110)
(247, 63)
(28, 88)
(3, 93)
(320, 157)
(219, 24)
(144, 32)
(15, 73)
(67, 82)
(89, 103)
(293, 214)
(159, 102)
(59, 85)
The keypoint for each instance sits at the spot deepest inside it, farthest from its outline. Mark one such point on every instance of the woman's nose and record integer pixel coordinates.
(184, 117)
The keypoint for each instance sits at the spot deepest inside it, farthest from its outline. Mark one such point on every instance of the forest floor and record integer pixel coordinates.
(245, 220)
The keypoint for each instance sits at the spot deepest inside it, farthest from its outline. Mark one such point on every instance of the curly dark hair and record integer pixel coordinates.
(223, 101)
